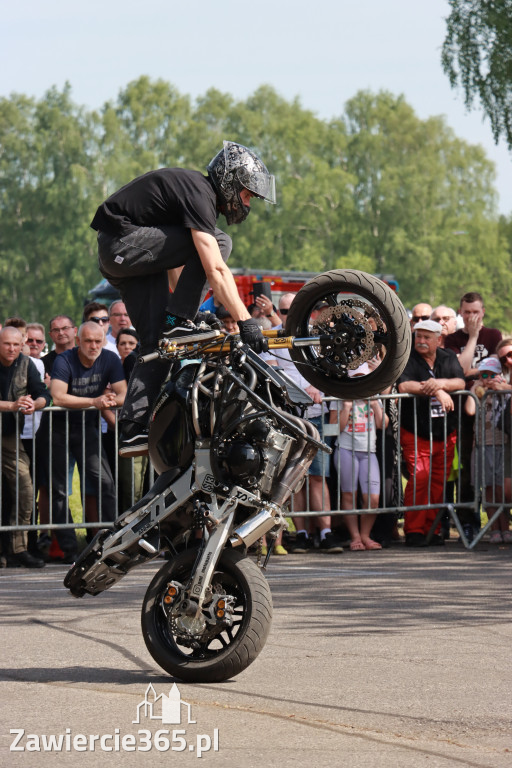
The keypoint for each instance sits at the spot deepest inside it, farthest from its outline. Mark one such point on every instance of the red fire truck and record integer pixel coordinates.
(281, 282)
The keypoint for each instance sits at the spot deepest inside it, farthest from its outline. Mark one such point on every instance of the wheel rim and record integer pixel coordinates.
(221, 639)
(354, 331)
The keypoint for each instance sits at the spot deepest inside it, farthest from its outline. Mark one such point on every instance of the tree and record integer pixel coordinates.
(47, 264)
(477, 55)
(425, 205)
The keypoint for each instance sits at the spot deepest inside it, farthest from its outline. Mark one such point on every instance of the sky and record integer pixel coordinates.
(322, 53)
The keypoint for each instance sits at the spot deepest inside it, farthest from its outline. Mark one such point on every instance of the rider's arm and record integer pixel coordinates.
(218, 275)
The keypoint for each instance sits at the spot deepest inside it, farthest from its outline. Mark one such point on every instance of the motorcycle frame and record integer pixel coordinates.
(140, 525)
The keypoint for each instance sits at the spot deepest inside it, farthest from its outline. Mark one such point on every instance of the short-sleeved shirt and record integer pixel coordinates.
(360, 432)
(87, 382)
(486, 343)
(446, 366)
(166, 197)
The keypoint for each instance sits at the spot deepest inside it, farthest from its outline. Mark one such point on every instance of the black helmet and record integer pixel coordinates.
(235, 168)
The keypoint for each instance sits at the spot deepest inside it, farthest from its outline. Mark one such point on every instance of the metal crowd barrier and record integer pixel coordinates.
(461, 497)
(465, 499)
(126, 473)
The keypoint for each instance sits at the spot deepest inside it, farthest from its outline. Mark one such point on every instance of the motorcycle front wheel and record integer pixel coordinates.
(223, 652)
(365, 335)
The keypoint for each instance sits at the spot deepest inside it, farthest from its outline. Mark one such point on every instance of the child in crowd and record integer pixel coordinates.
(495, 441)
(356, 461)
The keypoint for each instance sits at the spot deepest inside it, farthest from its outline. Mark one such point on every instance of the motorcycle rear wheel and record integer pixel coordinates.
(230, 652)
(357, 314)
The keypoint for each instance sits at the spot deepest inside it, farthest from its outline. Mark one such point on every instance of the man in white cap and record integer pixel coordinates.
(432, 373)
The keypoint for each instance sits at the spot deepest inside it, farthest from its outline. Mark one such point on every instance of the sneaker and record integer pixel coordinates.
(437, 540)
(301, 545)
(175, 327)
(415, 539)
(469, 533)
(495, 537)
(280, 550)
(27, 560)
(507, 537)
(331, 544)
(133, 439)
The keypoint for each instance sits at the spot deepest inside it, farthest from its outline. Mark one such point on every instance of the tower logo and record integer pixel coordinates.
(168, 709)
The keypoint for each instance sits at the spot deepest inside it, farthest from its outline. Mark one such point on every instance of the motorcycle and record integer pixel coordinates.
(230, 446)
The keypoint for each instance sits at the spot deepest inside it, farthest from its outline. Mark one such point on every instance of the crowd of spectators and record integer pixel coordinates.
(413, 441)
(378, 444)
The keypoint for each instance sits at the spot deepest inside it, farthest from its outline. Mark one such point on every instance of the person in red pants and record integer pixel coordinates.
(428, 424)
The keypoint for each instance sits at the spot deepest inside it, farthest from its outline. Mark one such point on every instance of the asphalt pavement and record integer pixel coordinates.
(392, 658)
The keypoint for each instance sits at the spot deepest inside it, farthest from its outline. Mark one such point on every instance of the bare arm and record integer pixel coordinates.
(218, 275)
(473, 326)
(379, 415)
(61, 397)
(23, 403)
(341, 417)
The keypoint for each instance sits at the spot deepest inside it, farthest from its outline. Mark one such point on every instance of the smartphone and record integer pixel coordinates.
(262, 289)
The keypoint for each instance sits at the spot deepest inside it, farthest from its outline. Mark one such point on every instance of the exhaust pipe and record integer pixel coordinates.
(256, 526)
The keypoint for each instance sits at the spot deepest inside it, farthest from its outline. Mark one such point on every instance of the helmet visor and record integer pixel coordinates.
(262, 185)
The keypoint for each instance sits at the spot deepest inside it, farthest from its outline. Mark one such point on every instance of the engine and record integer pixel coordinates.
(257, 457)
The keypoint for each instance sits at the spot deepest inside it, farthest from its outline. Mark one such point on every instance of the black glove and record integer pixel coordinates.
(209, 318)
(251, 334)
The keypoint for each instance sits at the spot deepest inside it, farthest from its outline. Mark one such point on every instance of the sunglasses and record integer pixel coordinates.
(487, 375)
(63, 329)
(506, 356)
(283, 311)
(417, 318)
(98, 319)
(35, 341)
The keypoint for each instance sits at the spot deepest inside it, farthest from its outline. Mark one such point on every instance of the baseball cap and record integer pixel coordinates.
(429, 325)
(490, 364)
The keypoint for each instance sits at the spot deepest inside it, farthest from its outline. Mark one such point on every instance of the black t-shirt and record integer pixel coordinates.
(48, 361)
(86, 382)
(166, 197)
(446, 366)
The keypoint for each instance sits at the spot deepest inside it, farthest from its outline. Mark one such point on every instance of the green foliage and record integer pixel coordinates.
(477, 55)
(377, 189)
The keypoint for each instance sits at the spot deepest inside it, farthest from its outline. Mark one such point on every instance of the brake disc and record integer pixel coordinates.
(352, 335)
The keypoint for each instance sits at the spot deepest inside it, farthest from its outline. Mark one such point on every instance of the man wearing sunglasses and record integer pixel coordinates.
(447, 319)
(420, 312)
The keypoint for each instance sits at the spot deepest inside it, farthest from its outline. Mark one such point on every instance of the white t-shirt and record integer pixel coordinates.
(360, 433)
(32, 421)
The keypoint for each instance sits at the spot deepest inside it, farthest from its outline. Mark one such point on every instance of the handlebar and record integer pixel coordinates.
(189, 344)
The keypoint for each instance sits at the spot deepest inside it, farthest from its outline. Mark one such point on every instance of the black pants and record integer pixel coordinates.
(84, 445)
(136, 264)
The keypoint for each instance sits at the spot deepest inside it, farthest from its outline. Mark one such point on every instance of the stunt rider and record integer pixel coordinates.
(160, 230)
